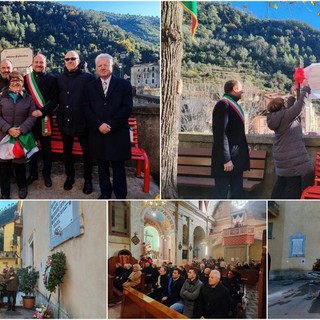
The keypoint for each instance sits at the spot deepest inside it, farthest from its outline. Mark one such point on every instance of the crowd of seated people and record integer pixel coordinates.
(209, 288)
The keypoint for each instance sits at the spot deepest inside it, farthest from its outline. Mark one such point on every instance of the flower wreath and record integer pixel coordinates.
(54, 271)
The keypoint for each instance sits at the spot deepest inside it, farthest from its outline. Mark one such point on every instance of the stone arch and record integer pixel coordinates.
(199, 240)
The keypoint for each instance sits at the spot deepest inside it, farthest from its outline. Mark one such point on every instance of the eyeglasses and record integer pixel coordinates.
(72, 59)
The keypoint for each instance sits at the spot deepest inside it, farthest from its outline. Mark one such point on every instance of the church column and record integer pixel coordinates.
(135, 228)
(191, 239)
(179, 237)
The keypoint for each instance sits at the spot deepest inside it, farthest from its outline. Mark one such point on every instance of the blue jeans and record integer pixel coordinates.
(178, 306)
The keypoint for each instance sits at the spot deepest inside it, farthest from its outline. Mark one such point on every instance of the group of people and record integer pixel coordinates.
(9, 282)
(230, 152)
(196, 292)
(93, 109)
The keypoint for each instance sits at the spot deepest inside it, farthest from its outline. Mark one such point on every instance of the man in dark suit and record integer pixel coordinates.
(44, 90)
(71, 119)
(175, 284)
(108, 105)
(230, 153)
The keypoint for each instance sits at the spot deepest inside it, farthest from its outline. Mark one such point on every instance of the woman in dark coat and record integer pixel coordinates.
(16, 107)
(291, 159)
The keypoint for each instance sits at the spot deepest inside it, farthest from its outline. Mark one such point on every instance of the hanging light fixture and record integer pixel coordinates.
(155, 205)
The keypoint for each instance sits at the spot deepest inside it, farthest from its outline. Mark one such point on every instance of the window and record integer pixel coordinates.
(119, 218)
(152, 74)
(65, 221)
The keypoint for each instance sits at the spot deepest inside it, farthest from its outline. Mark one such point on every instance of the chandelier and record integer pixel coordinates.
(155, 205)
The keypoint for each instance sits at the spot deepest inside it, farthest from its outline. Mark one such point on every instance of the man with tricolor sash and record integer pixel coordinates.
(230, 153)
(44, 91)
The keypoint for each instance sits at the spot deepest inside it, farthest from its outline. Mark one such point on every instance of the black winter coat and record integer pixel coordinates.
(213, 303)
(229, 141)
(115, 110)
(70, 116)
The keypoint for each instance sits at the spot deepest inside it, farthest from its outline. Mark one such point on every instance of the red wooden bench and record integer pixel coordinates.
(313, 192)
(137, 153)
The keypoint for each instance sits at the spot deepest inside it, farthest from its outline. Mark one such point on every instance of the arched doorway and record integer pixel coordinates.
(199, 243)
(152, 241)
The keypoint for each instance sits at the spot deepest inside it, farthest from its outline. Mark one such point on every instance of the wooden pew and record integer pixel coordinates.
(122, 257)
(251, 276)
(194, 168)
(136, 305)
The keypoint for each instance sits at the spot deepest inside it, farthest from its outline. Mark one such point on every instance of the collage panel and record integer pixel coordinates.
(52, 259)
(187, 259)
(80, 99)
(241, 95)
(294, 263)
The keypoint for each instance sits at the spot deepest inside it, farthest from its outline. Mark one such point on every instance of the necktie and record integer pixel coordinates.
(105, 88)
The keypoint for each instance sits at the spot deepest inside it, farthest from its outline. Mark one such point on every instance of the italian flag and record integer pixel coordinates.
(16, 148)
(191, 7)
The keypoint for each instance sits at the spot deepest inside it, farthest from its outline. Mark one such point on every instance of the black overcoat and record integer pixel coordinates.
(70, 116)
(229, 140)
(114, 109)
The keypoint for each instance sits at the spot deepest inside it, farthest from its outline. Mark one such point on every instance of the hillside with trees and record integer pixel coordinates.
(53, 28)
(265, 51)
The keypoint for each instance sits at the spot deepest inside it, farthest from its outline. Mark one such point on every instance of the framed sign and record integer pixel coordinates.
(297, 245)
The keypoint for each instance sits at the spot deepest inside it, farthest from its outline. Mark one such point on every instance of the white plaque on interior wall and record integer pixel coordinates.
(303, 261)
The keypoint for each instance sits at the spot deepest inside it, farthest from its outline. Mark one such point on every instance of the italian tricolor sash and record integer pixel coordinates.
(40, 102)
(234, 106)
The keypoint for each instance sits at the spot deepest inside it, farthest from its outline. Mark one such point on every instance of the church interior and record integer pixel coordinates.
(155, 238)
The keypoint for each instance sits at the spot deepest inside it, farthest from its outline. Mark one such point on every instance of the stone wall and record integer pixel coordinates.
(290, 274)
(257, 142)
(148, 118)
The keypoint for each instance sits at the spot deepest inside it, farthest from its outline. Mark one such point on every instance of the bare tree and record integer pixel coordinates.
(199, 98)
(171, 55)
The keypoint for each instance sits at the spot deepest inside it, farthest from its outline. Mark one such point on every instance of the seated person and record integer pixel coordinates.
(134, 277)
(161, 286)
(233, 285)
(147, 269)
(119, 270)
(204, 277)
(174, 287)
(189, 293)
(124, 277)
(214, 299)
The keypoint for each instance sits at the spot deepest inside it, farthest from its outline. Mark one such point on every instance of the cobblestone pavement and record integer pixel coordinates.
(295, 299)
(39, 191)
(20, 313)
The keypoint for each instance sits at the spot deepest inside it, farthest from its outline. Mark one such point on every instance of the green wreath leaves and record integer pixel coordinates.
(55, 271)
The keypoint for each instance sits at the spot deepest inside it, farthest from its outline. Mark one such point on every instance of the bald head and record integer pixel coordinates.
(71, 60)
(5, 68)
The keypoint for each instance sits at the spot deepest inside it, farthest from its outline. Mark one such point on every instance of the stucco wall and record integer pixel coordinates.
(83, 292)
(294, 217)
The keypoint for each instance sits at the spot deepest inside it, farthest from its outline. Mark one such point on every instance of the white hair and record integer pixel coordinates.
(217, 273)
(104, 55)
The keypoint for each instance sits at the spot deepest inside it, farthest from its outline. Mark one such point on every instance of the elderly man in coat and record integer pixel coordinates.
(108, 106)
